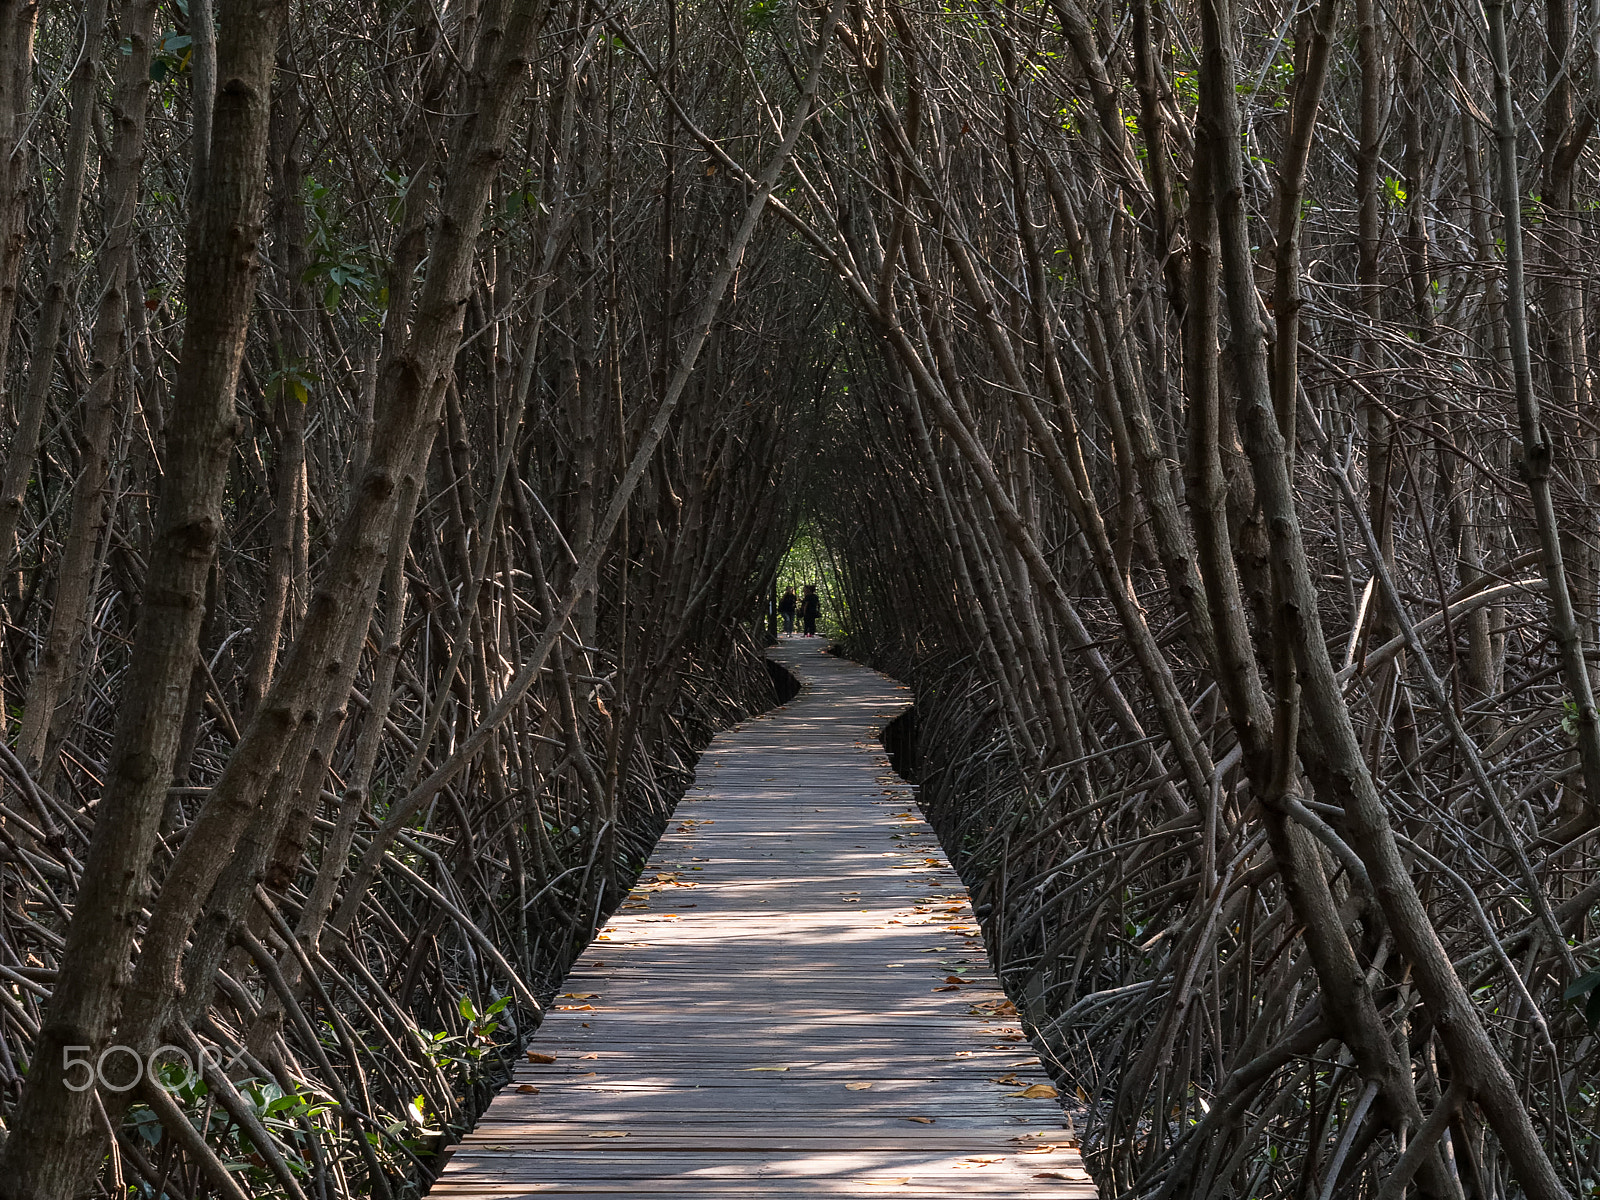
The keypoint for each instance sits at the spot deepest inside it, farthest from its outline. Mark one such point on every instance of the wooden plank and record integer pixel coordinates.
(794, 1001)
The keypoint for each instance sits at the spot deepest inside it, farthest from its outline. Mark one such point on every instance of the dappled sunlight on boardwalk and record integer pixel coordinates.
(794, 1001)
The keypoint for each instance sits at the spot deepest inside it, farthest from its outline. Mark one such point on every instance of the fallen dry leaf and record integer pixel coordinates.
(581, 1057)
(575, 1008)
(1039, 1091)
(993, 1008)
(535, 1056)
(581, 995)
(609, 1133)
(956, 979)
(858, 1086)
(1071, 1173)
(887, 1182)
(948, 987)
(982, 1162)
(921, 1120)
(528, 1089)
(1007, 1078)
(766, 1068)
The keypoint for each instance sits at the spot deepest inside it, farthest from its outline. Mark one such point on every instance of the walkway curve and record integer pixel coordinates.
(793, 1003)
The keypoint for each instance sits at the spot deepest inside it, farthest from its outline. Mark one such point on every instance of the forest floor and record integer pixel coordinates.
(793, 1002)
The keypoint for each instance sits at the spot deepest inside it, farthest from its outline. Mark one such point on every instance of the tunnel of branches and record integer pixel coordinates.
(411, 409)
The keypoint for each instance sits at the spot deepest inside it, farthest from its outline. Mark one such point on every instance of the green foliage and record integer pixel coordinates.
(282, 1114)
(169, 57)
(417, 1119)
(173, 53)
(462, 1051)
(1588, 985)
(810, 561)
(758, 18)
(1187, 86)
(291, 380)
(339, 265)
(523, 200)
(1569, 718)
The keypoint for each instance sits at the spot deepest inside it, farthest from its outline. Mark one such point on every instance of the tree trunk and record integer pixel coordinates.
(17, 21)
(76, 568)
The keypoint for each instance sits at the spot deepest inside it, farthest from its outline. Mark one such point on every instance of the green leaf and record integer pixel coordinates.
(147, 1124)
(1583, 985)
(1589, 984)
(468, 1010)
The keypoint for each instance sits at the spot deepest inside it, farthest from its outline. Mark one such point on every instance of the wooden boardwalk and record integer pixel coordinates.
(794, 1002)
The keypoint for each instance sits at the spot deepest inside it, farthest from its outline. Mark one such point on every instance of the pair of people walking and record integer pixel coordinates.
(809, 608)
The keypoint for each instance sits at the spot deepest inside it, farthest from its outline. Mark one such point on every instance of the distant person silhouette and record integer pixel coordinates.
(786, 608)
(811, 609)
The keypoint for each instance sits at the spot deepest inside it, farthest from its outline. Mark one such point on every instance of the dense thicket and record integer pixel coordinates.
(383, 495)
(407, 404)
(1221, 467)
